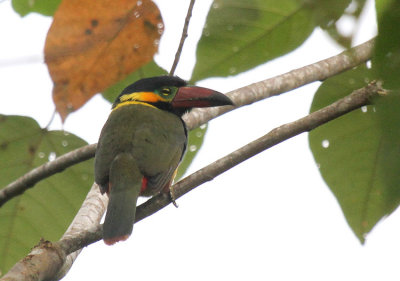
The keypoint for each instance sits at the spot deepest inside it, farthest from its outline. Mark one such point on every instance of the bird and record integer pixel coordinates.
(142, 143)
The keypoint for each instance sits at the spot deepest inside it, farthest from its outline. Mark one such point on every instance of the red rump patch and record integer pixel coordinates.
(144, 184)
(108, 189)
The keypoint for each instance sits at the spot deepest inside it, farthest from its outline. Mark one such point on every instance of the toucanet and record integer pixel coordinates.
(142, 143)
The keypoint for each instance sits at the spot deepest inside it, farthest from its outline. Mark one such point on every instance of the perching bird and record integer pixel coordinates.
(142, 143)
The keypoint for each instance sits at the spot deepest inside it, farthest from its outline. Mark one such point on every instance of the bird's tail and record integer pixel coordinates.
(125, 184)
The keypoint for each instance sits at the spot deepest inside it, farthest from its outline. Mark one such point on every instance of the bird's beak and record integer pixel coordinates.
(189, 97)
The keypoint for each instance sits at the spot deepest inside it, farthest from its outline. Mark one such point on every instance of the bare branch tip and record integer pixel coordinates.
(183, 37)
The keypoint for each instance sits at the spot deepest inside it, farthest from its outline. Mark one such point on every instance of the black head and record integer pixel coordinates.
(153, 83)
(169, 93)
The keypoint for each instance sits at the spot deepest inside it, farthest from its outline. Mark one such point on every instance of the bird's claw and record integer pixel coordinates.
(172, 197)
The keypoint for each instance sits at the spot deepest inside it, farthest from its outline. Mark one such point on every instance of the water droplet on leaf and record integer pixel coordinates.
(192, 148)
(325, 143)
(364, 109)
(52, 156)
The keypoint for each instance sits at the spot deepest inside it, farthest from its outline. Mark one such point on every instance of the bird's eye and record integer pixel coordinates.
(166, 91)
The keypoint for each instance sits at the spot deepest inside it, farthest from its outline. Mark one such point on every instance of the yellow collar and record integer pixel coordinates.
(129, 102)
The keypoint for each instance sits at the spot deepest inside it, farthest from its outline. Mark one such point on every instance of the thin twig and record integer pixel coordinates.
(47, 257)
(243, 96)
(183, 38)
(46, 170)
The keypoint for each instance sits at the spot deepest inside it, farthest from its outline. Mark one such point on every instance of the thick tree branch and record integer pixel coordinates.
(242, 96)
(88, 217)
(42, 262)
(183, 38)
(50, 261)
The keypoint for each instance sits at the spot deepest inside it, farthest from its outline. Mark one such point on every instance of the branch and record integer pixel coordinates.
(347, 104)
(242, 96)
(88, 217)
(48, 169)
(286, 82)
(50, 261)
(38, 260)
(183, 38)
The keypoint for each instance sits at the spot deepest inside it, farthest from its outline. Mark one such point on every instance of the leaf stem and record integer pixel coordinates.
(51, 119)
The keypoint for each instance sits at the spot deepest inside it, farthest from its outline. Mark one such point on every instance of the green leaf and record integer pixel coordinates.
(149, 70)
(358, 154)
(195, 141)
(382, 5)
(328, 15)
(44, 7)
(327, 12)
(48, 208)
(387, 49)
(240, 35)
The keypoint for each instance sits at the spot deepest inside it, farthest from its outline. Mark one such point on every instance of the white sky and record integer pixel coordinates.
(270, 218)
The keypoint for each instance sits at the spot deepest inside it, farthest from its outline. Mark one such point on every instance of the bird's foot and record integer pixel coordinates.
(172, 197)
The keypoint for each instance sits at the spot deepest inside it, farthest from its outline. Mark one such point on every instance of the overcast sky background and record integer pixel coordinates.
(270, 218)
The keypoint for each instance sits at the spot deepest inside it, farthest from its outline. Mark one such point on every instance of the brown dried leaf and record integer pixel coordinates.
(94, 44)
